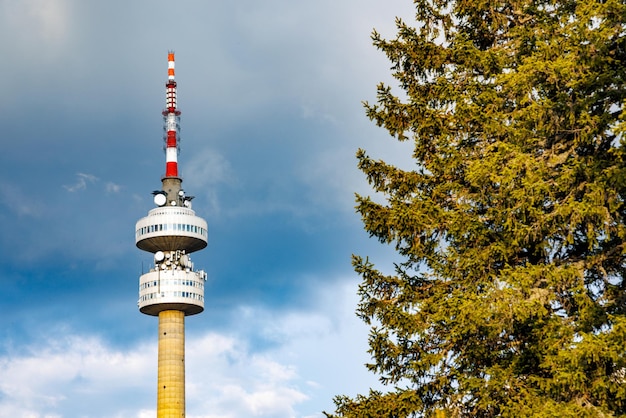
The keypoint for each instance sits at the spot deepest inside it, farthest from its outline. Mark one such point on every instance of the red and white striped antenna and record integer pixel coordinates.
(171, 118)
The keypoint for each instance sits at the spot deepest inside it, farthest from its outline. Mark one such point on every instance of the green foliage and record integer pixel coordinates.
(510, 300)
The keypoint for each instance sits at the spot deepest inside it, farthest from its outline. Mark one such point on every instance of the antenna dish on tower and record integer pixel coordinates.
(160, 199)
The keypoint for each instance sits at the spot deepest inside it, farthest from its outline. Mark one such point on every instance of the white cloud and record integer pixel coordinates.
(325, 346)
(81, 182)
(316, 354)
(74, 375)
(67, 373)
(231, 381)
(112, 187)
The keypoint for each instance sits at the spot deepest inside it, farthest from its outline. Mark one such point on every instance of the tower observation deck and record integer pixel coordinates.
(172, 288)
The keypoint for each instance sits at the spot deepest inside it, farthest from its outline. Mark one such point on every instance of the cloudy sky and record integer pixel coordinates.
(270, 93)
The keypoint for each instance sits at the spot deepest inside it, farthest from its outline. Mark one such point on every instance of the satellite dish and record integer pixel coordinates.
(159, 256)
(159, 199)
(173, 202)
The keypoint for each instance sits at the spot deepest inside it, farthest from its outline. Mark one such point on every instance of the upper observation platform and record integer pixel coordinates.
(171, 228)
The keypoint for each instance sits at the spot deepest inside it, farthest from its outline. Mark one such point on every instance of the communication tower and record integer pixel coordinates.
(173, 288)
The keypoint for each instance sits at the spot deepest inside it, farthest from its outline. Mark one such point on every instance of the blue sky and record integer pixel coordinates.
(270, 94)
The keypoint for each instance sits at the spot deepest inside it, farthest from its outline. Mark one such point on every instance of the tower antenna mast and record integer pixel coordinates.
(171, 117)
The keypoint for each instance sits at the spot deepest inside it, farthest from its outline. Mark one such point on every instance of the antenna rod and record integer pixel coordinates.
(171, 119)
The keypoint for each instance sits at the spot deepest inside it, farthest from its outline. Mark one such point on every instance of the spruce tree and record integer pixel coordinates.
(509, 299)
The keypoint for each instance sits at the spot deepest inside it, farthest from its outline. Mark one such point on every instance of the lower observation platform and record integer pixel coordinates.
(171, 289)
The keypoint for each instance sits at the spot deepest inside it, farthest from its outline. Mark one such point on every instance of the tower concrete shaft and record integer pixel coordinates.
(171, 372)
